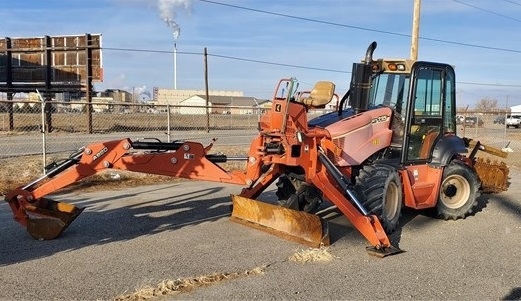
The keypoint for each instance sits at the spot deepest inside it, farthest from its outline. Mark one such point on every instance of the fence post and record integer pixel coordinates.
(9, 81)
(44, 141)
(48, 113)
(206, 89)
(168, 121)
(10, 110)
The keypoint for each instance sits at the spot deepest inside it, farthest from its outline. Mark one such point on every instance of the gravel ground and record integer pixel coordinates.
(129, 238)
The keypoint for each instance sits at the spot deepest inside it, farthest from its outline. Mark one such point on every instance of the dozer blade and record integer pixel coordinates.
(297, 226)
(493, 175)
(51, 220)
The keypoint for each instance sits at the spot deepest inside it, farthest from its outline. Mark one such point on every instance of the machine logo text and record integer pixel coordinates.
(100, 153)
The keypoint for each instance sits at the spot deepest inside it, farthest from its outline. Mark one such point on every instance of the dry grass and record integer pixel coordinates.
(20, 171)
(173, 287)
(114, 122)
(312, 255)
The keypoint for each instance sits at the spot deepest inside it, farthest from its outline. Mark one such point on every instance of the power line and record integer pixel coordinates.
(488, 84)
(149, 50)
(488, 11)
(226, 57)
(277, 64)
(361, 28)
(305, 19)
(510, 1)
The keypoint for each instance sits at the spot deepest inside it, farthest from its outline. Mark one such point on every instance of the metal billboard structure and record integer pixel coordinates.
(51, 64)
(56, 64)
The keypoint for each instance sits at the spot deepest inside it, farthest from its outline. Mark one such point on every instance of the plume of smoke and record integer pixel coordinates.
(168, 14)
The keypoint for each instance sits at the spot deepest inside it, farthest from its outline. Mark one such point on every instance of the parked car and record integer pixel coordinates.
(513, 120)
(499, 120)
(474, 121)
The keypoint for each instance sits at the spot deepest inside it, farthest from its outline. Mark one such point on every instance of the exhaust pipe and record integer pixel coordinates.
(369, 53)
(361, 81)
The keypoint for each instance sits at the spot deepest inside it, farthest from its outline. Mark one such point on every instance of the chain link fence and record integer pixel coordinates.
(489, 128)
(26, 130)
(29, 131)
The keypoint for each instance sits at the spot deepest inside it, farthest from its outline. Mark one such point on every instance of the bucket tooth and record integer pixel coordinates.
(297, 226)
(50, 220)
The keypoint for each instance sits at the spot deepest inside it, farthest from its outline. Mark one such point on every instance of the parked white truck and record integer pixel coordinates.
(513, 120)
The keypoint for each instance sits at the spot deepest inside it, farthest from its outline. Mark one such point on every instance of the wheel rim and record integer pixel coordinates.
(392, 201)
(455, 191)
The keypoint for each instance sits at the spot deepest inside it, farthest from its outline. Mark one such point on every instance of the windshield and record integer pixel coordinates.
(390, 90)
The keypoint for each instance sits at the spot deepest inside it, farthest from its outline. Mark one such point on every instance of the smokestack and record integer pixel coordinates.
(176, 31)
(168, 15)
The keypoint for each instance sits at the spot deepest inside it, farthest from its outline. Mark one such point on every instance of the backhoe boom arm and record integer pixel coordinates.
(179, 159)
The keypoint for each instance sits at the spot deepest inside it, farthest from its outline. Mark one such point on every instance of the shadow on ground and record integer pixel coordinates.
(111, 218)
(125, 215)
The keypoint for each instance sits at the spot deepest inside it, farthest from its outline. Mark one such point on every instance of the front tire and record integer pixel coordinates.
(380, 189)
(296, 194)
(459, 192)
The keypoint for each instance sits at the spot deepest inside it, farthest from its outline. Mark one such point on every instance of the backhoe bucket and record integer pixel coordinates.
(297, 226)
(51, 220)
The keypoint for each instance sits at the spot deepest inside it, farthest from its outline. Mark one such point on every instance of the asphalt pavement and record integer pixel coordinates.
(130, 238)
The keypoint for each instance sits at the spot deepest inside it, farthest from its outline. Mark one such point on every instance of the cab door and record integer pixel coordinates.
(430, 110)
(430, 114)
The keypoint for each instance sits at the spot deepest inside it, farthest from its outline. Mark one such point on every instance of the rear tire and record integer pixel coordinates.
(380, 190)
(459, 192)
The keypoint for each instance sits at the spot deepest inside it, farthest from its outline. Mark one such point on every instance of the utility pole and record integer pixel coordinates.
(415, 29)
(507, 111)
(206, 89)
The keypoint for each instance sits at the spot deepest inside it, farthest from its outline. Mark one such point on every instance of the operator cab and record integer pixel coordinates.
(422, 95)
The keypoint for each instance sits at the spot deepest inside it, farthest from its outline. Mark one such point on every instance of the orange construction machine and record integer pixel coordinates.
(391, 143)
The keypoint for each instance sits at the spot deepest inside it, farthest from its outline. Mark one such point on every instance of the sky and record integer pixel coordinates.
(251, 44)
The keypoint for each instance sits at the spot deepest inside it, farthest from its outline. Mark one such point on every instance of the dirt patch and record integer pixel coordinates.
(312, 255)
(184, 285)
